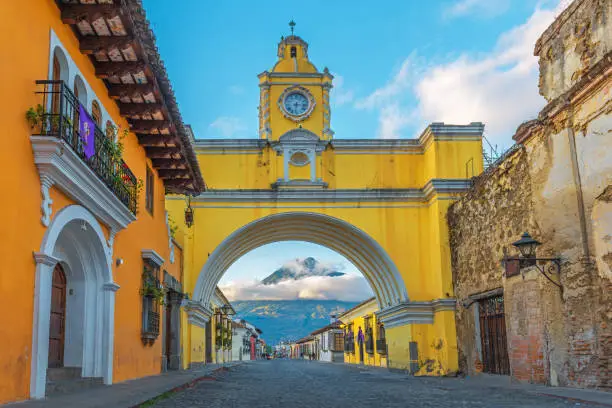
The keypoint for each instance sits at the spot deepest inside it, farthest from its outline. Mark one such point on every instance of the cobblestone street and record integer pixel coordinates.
(290, 383)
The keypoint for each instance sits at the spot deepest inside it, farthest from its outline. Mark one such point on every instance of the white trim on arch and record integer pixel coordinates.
(94, 258)
(351, 242)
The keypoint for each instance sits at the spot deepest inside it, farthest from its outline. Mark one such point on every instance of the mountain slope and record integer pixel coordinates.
(288, 319)
(301, 268)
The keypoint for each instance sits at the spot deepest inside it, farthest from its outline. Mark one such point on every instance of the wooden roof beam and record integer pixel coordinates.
(105, 70)
(148, 126)
(156, 140)
(131, 109)
(178, 183)
(174, 173)
(91, 44)
(169, 164)
(73, 13)
(158, 152)
(117, 91)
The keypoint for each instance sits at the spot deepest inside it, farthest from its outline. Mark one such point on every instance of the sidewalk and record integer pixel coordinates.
(577, 395)
(131, 393)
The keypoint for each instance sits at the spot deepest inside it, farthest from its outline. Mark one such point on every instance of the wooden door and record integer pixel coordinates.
(493, 336)
(58, 318)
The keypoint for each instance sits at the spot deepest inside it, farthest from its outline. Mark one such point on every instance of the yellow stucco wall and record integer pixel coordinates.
(356, 318)
(28, 50)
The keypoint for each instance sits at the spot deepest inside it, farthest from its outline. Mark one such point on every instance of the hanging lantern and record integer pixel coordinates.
(189, 213)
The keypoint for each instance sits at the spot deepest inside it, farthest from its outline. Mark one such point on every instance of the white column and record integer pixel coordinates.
(313, 165)
(108, 345)
(286, 159)
(41, 321)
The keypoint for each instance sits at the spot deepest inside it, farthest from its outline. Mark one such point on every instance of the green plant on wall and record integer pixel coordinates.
(35, 116)
(172, 226)
(151, 288)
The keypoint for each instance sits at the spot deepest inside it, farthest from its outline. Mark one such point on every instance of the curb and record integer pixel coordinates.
(189, 384)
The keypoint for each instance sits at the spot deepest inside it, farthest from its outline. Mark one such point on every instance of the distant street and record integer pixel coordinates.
(291, 383)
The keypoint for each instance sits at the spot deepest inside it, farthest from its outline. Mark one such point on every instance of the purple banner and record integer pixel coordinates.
(87, 132)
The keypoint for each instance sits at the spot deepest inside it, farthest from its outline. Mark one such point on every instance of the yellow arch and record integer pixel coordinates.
(351, 242)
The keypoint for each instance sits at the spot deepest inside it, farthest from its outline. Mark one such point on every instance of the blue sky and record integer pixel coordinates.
(399, 65)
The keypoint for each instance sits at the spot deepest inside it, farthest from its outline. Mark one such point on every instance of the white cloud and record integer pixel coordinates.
(346, 288)
(499, 88)
(401, 81)
(340, 95)
(481, 8)
(228, 126)
(391, 120)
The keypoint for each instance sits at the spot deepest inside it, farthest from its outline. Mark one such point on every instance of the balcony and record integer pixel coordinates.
(90, 173)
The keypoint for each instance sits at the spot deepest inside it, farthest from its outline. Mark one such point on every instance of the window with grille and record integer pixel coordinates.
(149, 190)
(152, 295)
(349, 339)
(381, 339)
(368, 335)
(96, 113)
(338, 341)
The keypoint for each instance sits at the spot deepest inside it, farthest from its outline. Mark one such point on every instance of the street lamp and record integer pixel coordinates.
(527, 245)
(527, 249)
(189, 213)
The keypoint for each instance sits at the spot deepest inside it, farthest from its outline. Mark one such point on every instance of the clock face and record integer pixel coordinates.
(296, 103)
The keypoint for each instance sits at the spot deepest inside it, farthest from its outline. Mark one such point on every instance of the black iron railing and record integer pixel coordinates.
(58, 116)
(381, 346)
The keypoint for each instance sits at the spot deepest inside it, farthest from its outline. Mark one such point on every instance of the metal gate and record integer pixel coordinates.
(493, 335)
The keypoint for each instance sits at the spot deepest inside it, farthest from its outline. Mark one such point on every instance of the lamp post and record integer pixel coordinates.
(527, 248)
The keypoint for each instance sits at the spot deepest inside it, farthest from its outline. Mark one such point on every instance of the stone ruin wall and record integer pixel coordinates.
(557, 186)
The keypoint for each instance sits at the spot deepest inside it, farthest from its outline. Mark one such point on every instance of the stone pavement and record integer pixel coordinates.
(129, 393)
(309, 384)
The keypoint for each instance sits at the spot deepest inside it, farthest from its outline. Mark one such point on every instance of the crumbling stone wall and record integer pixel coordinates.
(557, 187)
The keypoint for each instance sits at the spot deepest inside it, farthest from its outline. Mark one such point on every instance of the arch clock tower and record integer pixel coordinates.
(294, 111)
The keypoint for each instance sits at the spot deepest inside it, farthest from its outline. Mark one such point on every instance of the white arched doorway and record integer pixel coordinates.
(75, 240)
(347, 240)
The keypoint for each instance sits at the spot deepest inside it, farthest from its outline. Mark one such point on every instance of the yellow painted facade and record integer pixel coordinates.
(36, 32)
(380, 203)
(354, 319)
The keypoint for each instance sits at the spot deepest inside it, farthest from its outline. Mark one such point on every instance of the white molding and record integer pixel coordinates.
(414, 312)
(400, 195)
(87, 259)
(152, 256)
(170, 239)
(197, 313)
(42, 258)
(58, 164)
(111, 286)
(440, 132)
(336, 234)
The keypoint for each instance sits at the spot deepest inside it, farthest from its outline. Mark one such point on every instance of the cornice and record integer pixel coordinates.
(295, 75)
(197, 314)
(434, 132)
(59, 166)
(152, 256)
(432, 188)
(414, 312)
